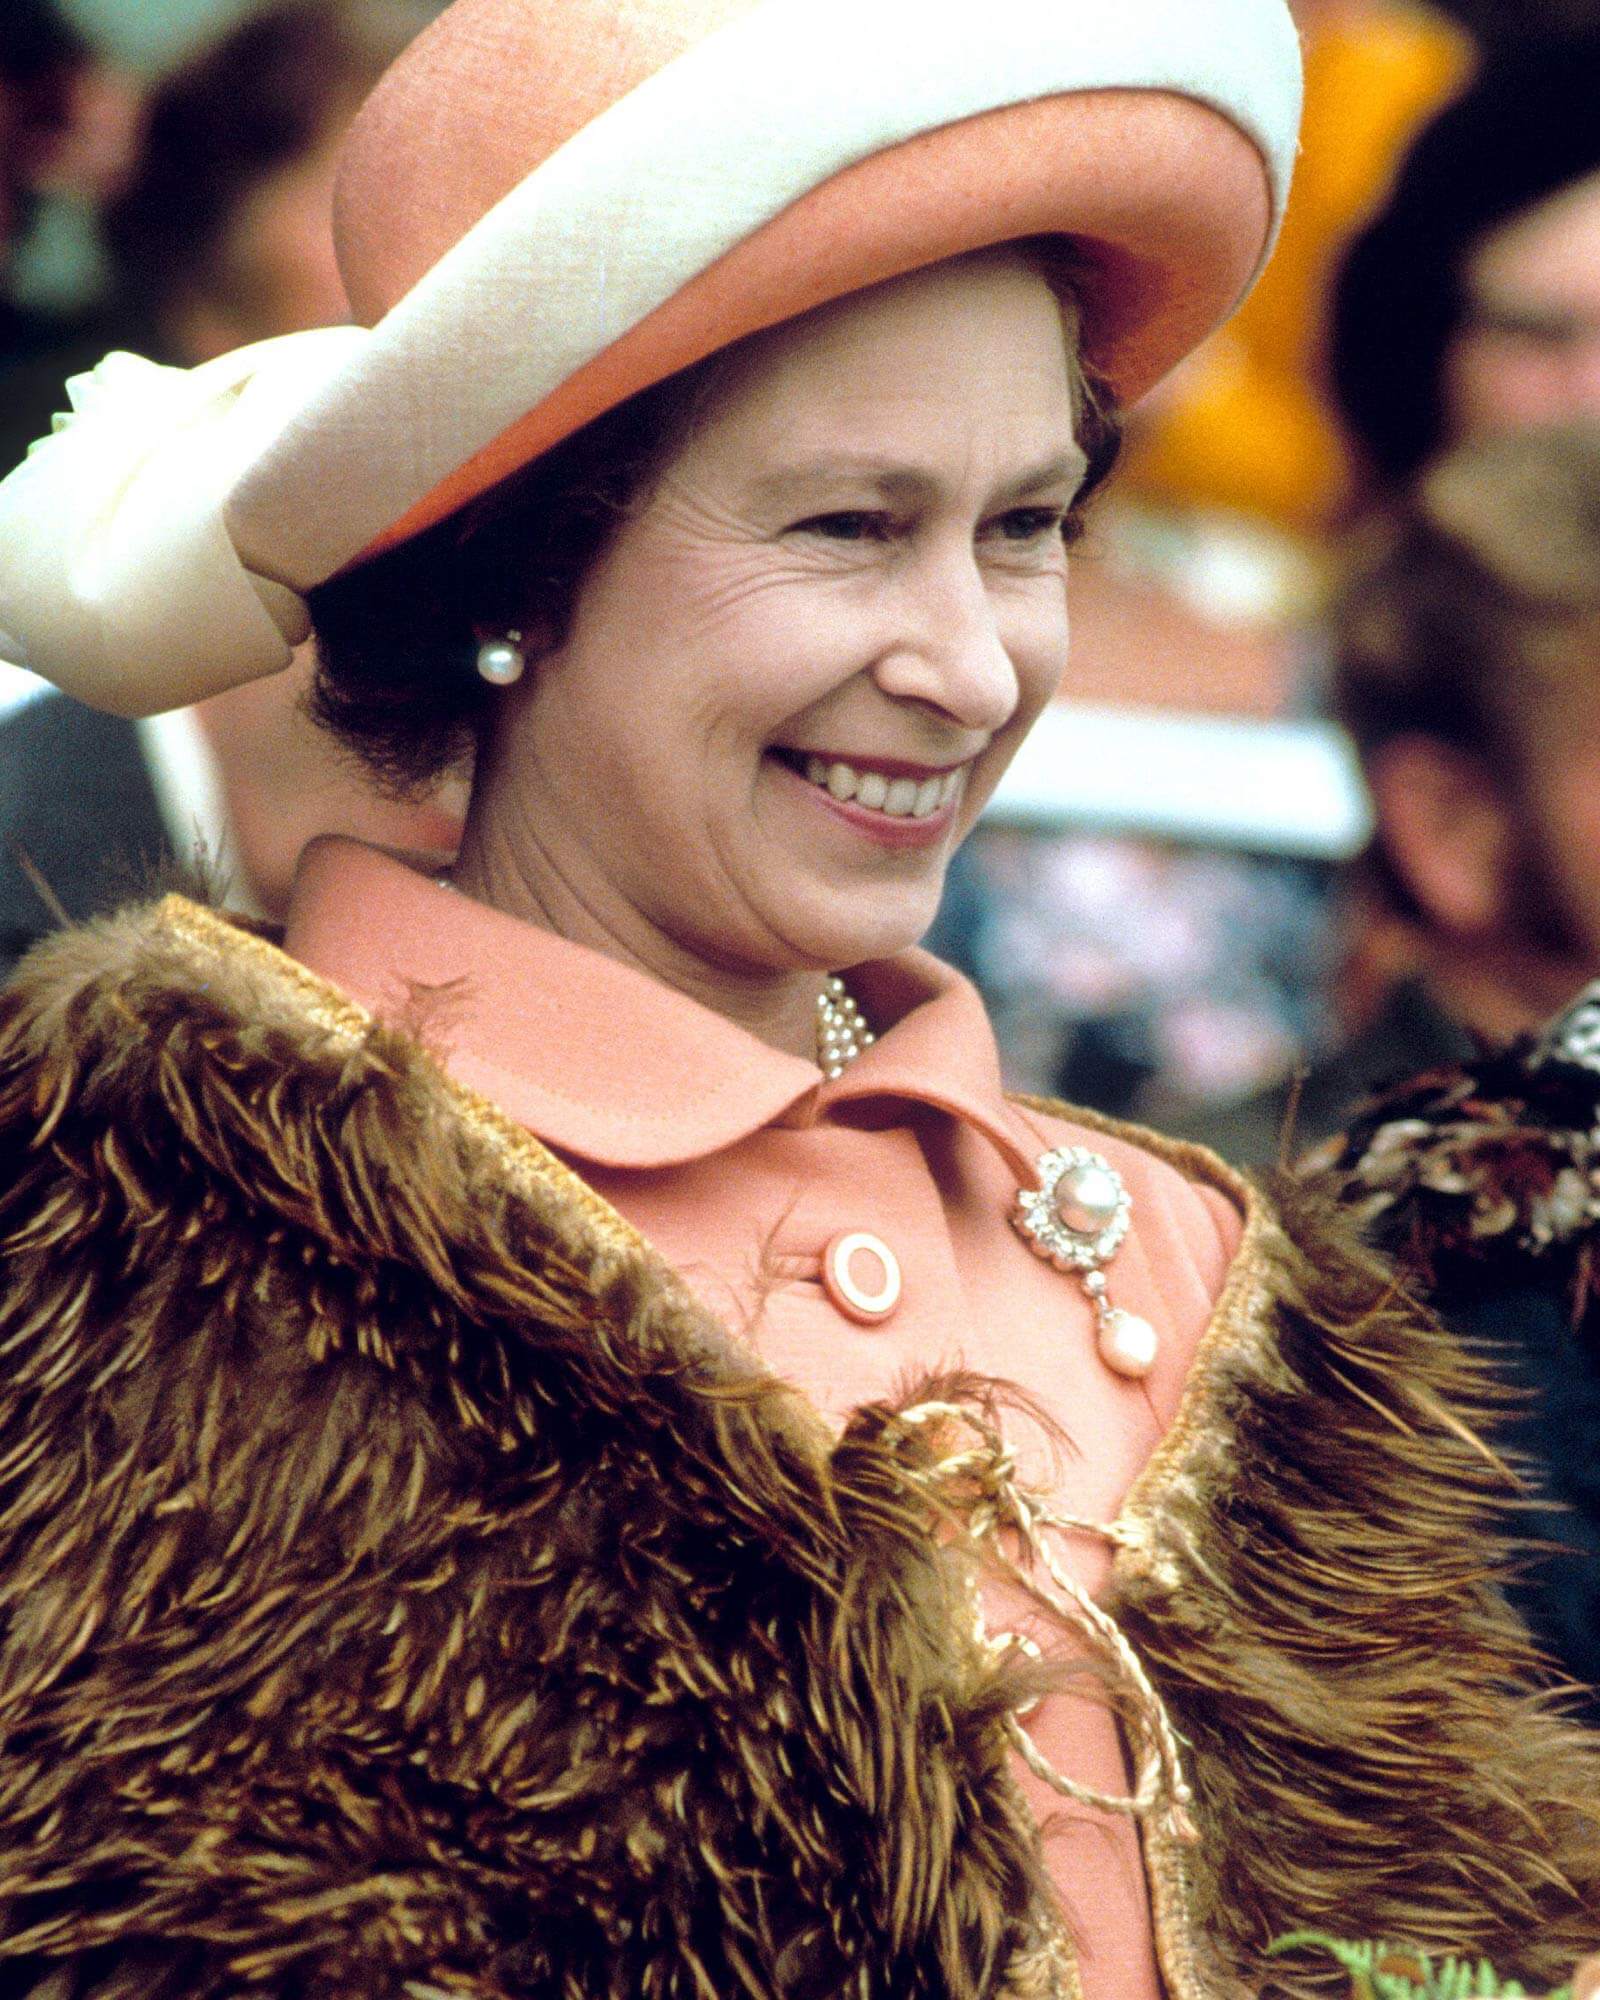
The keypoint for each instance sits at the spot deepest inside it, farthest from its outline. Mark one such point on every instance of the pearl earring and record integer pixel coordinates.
(501, 661)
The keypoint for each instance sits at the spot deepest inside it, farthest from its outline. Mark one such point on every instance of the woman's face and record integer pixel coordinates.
(807, 656)
(1528, 350)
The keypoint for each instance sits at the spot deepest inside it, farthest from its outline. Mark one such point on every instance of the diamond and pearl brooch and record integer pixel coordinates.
(1076, 1219)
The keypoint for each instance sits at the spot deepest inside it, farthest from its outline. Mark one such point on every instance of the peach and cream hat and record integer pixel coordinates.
(547, 205)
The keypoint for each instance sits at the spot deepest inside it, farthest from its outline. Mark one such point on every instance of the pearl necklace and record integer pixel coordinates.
(841, 1031)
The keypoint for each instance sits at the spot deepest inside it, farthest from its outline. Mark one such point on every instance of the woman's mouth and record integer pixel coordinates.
(877, 791)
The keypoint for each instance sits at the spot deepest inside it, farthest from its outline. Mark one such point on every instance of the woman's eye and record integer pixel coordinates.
(1031, 524)
(850, 525)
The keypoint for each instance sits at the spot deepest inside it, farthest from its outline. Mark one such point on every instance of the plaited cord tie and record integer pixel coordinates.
(1161, 1791)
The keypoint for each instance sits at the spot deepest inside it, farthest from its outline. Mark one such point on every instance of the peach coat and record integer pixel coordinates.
(743, 1166)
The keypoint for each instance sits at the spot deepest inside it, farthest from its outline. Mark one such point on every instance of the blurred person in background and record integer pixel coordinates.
(1469, 307)
(39, 58)
(215, 225)
(1470, 675)
(1466, 639)
(69, 126)
(222, 237)
(1472, 302)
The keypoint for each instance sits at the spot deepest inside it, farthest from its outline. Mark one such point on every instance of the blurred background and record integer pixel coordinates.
(1319, 804)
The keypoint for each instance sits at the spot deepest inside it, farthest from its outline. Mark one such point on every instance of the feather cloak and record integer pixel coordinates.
(407, 1590)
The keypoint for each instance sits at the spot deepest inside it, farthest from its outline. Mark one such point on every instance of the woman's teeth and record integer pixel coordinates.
(899, 798)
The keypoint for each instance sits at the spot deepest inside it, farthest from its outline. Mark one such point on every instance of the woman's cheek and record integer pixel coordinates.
(1040, 653)
(988, 771)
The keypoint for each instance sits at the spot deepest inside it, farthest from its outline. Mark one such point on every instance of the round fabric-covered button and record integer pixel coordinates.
(861, 1274)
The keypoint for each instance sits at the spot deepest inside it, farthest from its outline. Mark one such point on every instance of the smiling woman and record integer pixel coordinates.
(560, 1434)
(855, 559)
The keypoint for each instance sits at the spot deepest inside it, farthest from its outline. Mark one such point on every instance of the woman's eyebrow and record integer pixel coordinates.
(1068, 468)
(890, 478)
(899, 483)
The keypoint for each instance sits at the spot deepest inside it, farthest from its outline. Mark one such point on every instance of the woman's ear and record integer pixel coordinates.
(1444, 822)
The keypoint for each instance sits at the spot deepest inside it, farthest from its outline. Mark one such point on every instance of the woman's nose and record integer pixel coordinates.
(950, 651)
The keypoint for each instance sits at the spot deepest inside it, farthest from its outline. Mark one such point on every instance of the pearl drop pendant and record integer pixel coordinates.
(1076, 1219)
(1126, 1343)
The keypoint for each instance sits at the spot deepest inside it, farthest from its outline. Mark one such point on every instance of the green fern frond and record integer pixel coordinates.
(1391, 1972)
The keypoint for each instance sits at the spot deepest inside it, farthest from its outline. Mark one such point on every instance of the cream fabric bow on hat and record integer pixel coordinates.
(118, 565)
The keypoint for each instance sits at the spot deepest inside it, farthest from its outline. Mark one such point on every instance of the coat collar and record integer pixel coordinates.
(602, 1062)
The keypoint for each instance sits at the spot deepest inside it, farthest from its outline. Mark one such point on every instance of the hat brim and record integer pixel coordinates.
(1156, 277)
(760, 173)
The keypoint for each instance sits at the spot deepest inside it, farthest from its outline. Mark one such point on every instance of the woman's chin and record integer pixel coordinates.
(836, 939)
